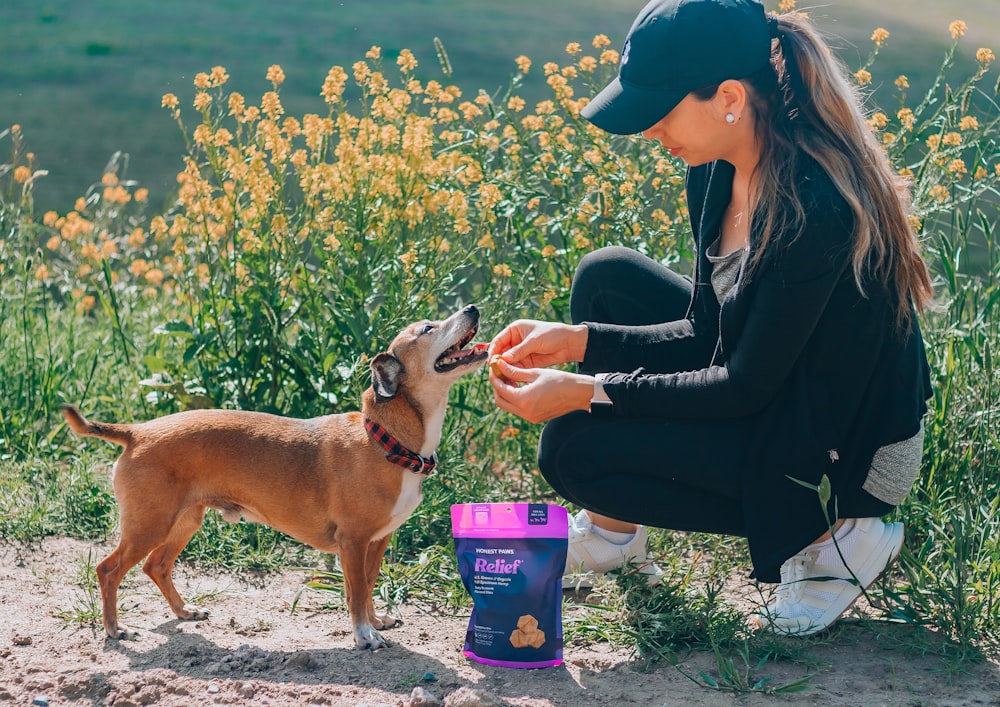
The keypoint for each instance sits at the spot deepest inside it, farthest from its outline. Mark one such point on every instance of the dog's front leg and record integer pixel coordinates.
(376, 552)
(354, 562)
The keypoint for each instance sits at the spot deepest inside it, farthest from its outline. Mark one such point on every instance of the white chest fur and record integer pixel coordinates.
(409, 498)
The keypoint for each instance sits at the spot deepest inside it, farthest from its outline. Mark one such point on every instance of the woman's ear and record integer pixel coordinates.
(731, 99)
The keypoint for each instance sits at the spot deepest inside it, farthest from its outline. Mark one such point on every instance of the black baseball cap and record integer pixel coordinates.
(673, 48)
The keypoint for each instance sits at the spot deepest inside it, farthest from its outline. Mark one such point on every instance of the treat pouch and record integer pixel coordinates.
(511, 558)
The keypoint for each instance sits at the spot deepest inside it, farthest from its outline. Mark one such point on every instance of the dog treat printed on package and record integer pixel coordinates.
(511, 557)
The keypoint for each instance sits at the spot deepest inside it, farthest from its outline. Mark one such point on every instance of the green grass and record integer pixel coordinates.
(84, 79)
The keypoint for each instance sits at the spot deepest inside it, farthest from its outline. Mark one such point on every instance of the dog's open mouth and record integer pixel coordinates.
(458, 355)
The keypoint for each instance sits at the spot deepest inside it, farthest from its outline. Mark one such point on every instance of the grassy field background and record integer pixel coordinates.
(84, 80)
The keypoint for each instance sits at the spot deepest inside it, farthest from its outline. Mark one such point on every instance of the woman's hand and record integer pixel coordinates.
(533, 344)
(539, 394)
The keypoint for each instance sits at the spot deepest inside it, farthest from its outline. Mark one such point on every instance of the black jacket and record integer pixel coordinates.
(818, 370)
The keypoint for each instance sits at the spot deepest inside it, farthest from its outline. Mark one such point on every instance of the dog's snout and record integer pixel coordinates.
(471, 309)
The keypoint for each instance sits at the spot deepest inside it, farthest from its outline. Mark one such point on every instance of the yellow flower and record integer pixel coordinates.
(573, 48)
(219, 75)
(470, 110)
(502, 270)
(951, 139)
(880, 35)
(50, 218)
(53, 243)
(863, 76)
(169, 100)
(981, 173)
(957, 166)
(22, 174)
(609, 56)
(333, 86)
(374, 53)
(523, 64)
(601, 41)
(933, 142)
(786, 5)
(587, 64)
(139, 266)
(86, 304)
(902, 82)
(939, 192)
(201, 80)
(271, 105)
(969, 122)
(154, 276)
(878, 121)
(905, 117)
(984, 55)
(141, 194)
(275, 74)
(957, 29)
(487, 242)
(202, 100)
(406, 61)
(516, 104)
(915, 223)
(548, 251)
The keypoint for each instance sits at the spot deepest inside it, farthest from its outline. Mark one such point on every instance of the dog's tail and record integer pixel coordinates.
(119, 434)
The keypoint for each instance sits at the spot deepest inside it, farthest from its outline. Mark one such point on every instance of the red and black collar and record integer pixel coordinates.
(397, 453)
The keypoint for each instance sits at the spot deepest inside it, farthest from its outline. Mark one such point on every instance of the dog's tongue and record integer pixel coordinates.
(471, 351)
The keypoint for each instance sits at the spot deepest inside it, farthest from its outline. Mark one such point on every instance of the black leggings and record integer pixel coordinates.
(676, 474)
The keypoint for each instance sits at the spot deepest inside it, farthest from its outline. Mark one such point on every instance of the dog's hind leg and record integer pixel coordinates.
(376, 551)
(159, 565)
(132, 547)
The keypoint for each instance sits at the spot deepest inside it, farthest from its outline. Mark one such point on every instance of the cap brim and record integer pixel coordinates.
(626, 110)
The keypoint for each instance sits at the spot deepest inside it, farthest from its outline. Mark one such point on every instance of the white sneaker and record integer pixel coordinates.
(817, 588)
(589, 555)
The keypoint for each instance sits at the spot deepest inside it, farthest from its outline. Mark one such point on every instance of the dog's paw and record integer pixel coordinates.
(368, 638)
(192, 613)
(122, 634)
(384, 621)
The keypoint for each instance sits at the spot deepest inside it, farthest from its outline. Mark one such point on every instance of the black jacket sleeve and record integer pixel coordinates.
(779, 307)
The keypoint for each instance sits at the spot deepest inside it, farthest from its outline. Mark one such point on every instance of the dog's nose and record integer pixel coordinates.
(471, 309)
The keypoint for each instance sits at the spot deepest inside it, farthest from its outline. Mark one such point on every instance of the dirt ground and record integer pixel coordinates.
(254, 651)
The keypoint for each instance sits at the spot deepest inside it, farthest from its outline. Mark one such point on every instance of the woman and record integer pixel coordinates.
(721, 404)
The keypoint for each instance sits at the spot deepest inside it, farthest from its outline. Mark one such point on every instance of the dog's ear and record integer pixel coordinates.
(387, 372)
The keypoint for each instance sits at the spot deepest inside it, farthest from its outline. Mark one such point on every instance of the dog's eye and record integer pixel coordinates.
(427, 329)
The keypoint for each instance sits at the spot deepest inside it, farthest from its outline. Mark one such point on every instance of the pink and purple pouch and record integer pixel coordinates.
(511, 558)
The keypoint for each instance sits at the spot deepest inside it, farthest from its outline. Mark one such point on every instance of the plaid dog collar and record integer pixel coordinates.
(397, 453)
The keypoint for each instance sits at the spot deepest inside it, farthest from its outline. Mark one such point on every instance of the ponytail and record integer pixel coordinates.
(805, 102)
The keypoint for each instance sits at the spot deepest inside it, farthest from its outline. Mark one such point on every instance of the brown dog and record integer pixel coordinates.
(341, 483)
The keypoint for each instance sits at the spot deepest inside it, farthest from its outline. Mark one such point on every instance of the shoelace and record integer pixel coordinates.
(793, 572)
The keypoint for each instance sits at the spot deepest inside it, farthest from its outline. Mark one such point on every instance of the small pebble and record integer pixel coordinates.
(429, 677)
(41, 701)
(213, 689)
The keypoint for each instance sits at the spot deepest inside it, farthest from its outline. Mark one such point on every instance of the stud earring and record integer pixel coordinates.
(730, 118)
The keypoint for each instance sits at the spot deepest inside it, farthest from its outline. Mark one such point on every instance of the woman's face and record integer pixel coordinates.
(690, 131)
(697, 130)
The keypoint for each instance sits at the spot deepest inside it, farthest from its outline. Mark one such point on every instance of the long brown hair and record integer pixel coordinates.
(805, 101)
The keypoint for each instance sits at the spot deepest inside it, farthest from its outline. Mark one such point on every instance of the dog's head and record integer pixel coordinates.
(432, 353)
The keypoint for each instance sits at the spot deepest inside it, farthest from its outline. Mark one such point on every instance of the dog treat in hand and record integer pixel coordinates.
(495, 366)
(511, 557)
